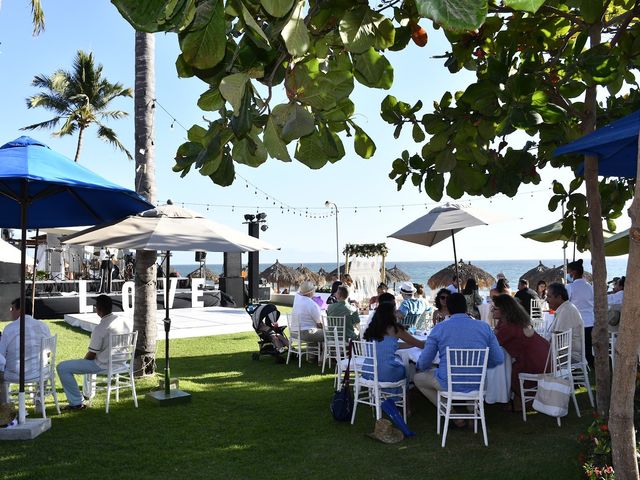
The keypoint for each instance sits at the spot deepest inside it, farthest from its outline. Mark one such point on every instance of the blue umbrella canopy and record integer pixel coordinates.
(615, 145)
(41, 188)
(58, 191)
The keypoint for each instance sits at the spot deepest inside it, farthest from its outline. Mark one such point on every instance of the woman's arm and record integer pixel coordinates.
(409, 340)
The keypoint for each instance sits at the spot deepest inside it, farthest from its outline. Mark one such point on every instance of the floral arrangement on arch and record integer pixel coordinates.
(366, 249)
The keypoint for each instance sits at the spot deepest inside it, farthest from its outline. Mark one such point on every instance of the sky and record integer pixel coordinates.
(370, 207)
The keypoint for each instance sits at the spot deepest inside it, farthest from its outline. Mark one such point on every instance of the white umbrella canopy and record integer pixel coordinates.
(168, 227)
(444, 222)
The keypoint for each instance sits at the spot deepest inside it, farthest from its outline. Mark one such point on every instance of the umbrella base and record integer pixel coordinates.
(30, 429)
(174, 397)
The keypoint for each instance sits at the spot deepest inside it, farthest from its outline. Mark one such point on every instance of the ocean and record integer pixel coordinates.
(420, 272)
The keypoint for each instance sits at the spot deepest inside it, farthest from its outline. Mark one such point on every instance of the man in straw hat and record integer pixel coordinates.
(410, 305)
(307, 313)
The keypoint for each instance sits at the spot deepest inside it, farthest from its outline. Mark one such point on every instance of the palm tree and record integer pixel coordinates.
(79, 98)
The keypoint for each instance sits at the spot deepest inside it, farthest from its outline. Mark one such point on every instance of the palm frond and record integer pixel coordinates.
(68, 128)
(114, 114)
(55, 103)
(109, 136)
(38, 17)
(46, 124)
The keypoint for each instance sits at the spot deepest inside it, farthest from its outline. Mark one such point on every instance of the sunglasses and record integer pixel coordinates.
(443, 297)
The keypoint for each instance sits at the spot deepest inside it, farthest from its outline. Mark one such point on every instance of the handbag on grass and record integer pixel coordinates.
(342, 401)
(552, 396)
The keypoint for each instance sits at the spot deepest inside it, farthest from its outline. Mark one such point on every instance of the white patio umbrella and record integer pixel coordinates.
(444, 222)
(168, 227)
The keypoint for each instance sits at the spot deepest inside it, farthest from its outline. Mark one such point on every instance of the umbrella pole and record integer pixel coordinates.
(33, 281)
(23, 284)
(167, 327)
(455, 259)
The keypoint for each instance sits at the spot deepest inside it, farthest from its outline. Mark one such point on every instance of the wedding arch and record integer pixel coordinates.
(366, 265)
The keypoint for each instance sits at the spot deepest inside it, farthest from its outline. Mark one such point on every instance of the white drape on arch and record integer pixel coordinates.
(365, 272)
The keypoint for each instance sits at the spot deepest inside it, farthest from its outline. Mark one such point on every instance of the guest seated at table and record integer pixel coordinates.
(453, 286)
(307, 312)
(541, 290)
(516, 335)
(342, 309)
(617, 296)
(441, 311)
(419, 291)
(502, 287)
(373, 301)
(472, 297)
(410, 305)
(385, 330)
(566, 317)
(332, 296)
(459, 331)
(524, 294)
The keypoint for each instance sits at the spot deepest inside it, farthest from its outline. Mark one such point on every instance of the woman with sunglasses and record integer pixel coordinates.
(528, 350)
(440, 313)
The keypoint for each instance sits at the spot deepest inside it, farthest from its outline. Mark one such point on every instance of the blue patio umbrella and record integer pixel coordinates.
(41, 188)
(615, 145)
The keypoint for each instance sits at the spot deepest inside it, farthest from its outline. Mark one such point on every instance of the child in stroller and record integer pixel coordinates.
(273, 340)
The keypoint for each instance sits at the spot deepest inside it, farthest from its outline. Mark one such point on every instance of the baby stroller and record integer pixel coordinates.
(273, 340)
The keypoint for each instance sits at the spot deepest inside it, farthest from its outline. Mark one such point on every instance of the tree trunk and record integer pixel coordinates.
(79, 147)
(144, 315)
(600, 334)
(623, 435)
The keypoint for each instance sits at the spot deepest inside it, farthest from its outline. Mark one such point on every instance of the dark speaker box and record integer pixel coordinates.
(234, 287)
(201, 256)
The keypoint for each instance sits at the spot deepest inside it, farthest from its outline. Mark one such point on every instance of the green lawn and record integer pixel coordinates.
(253, 419)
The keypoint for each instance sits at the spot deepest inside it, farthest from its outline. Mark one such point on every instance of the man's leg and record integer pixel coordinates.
(67, 369)
(428, 385)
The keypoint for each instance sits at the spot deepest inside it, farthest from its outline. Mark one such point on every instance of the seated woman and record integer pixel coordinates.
(541, 290)
(501, 288)
(528, 350)
(373, 301)
(472, 297)
(385, 330)
(334, 288)
(440, 313)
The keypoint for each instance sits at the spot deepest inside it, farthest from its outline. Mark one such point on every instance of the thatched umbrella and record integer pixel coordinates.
(532, 275)
(210, 275)
(314, 277)
(556, 275)
(465, 271)
(281, 275)
(395, 275)
(323, 273)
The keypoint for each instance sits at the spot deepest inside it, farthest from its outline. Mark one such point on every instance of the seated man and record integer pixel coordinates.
(410, 305)
(460, 331)
(35, 331)
(526, 294)
(342, 309)
(617, 297)
(307, 313)
(97, 358)
(567, 316)
(453, 286)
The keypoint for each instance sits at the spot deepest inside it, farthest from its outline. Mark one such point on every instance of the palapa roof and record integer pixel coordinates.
(395, 275)
(465, 271)
(211, 275)
(281, 274)
(532, 275)
(556, 275)
(312, 276)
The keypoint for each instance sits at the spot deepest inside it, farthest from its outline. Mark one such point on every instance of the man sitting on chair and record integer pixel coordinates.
(341, 309)
(97, 358)
(566, 316)
(459, 331)
(410, 305)
(35, 331)
(308, 314)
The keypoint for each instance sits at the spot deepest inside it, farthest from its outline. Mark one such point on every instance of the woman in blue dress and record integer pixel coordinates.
(385, 330)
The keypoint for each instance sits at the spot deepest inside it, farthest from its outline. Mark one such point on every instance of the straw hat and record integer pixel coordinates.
(407, 288)
(7, 414)
(307, 288)
(385, 432)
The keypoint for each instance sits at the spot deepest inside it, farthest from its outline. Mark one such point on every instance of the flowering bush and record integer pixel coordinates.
(595, 454)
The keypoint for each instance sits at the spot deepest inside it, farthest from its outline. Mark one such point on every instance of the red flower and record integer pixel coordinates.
(608, 470)
(604, 428)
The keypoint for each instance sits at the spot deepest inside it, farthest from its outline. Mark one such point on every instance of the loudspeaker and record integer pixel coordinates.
(232, 266)
(201, 256)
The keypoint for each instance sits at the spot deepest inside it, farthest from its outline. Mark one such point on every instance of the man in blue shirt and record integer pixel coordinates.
(459, 331)
(410, 305)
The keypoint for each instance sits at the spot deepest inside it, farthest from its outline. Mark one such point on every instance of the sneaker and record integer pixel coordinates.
(74, 408)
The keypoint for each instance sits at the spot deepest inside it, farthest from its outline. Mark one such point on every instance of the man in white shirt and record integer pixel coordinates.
(453, 286)
(566, 317)
(581, 295)
(617, 297)
(307, 314)
(97, 358)
(35, 331)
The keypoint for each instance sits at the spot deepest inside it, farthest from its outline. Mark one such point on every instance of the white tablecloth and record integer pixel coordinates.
(497, 384)
(485, 313)
(548, 320)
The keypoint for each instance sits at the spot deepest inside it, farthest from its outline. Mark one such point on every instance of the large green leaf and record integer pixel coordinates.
(456, 15)
(225, 173)
(249, 151)
(320, 90)
(373, 69)
(273, 143)
(156, 15)
(204, 47)
(295, 33)
(211, 100)
(232, 88)
(293, 120)
(361, 28)
(277, 8)
(445, 161)
(311, 150)
(526, 5)
(363, 144)
(255, 28)
(591, 10)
